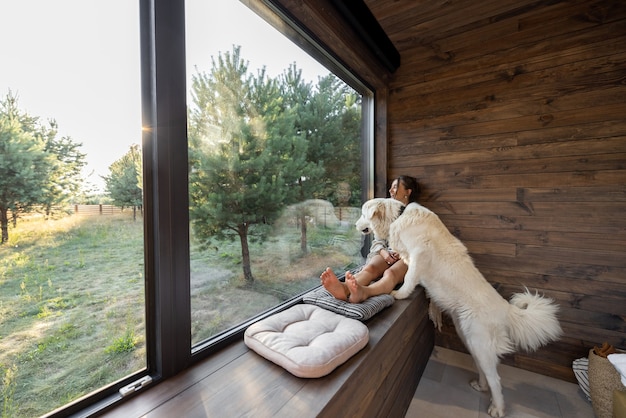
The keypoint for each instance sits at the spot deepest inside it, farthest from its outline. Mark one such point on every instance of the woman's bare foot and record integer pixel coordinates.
(357, 293)
(333, 285)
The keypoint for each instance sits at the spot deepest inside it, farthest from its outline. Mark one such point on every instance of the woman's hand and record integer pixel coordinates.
(390, 257)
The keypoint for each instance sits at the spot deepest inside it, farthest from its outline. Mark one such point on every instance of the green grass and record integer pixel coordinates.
(220, 297)
(70, 289)
(72, 313)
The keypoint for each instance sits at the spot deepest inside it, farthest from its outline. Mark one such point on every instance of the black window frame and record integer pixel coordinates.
(165, 165)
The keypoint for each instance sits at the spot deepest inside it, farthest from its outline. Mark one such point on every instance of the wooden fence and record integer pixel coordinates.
(88, 210)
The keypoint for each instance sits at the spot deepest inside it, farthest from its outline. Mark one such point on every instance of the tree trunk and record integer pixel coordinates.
(303, 246)
(4, 221)
(245, 253)
(302, 210)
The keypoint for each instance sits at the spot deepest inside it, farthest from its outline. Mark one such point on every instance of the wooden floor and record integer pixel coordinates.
(238, 382)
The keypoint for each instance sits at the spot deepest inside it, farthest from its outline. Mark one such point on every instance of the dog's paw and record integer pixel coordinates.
(475, 384)
(495, 412)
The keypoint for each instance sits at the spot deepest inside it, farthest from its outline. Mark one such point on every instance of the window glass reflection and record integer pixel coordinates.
(275, 167)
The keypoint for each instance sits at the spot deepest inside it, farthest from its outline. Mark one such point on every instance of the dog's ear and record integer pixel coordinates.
(376, 210)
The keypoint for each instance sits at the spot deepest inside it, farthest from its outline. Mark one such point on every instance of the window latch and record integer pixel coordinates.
(135, 386)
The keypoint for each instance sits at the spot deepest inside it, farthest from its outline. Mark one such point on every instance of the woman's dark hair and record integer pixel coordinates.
(410, 183)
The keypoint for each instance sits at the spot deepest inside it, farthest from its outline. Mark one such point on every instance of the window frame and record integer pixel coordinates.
(164, 103)
(166, 198)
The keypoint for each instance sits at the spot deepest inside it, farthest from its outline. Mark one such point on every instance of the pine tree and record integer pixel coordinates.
(64, 178)
(328, 117)
(123, 184)
(246, 159)
(298, 96)
(333, 134)
(24, 163)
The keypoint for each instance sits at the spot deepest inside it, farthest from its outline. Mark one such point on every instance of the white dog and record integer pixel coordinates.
(487, 324)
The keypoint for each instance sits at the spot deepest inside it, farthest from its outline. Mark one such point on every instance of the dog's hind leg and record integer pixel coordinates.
(487, 364)
(478, 342)
(480, 384)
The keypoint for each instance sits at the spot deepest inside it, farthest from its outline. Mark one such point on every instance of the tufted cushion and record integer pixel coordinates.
(361, 311)
(306, 340)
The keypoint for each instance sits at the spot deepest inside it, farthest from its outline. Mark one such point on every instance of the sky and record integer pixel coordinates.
(77, 62)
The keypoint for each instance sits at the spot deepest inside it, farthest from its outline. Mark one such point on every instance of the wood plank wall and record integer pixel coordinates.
(512, 115)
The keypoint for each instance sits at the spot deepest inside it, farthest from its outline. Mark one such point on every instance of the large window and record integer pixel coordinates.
(170, 170)
(72, 315)
(275, 167)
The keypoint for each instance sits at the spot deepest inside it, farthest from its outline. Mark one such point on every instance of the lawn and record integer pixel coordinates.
(72, 299)
(71, 309)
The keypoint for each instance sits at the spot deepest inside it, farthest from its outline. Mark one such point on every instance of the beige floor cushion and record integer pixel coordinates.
(306, 340)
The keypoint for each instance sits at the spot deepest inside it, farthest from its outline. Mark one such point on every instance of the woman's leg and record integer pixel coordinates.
(373, 270)
(392, 277)
(370, 272)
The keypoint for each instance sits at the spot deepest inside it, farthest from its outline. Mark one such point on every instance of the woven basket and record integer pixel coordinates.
(603, 380)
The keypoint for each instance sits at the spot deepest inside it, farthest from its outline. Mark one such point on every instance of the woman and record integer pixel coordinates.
(382, 261)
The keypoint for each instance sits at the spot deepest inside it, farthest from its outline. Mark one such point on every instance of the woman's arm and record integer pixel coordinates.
(376, 247)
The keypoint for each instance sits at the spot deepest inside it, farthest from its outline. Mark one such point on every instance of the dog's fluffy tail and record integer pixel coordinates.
(533, 321)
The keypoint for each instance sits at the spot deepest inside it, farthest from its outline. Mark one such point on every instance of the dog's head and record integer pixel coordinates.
(377, 215)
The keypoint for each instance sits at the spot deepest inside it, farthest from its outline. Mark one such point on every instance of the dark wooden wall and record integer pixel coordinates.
(512, 114)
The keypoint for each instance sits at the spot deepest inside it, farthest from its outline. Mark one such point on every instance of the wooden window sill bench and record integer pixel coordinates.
(378, 381)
